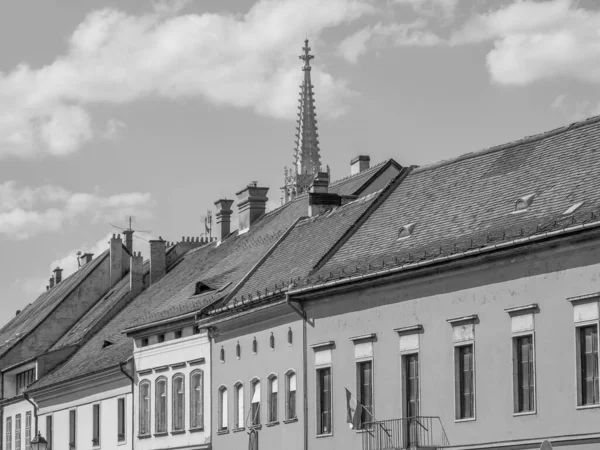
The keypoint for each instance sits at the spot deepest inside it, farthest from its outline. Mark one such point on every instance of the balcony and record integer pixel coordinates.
(419, 432)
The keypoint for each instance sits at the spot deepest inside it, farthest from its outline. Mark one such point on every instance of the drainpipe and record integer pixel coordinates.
(132, 399)
(35, 412)
(302, 314)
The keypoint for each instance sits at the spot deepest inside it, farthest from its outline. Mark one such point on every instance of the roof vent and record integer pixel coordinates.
(573, 208)
(106, 344)
(406, 231)
(201, 288)
(523, 203)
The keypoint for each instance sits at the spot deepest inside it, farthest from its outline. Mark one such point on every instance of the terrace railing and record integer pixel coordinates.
(420, 432)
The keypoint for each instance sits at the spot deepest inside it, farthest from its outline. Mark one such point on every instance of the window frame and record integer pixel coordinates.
(27, 430)
(49, 431)
(238, 406)
(290, 336)
(318, 418)
(515, 389)
(288, 375)
(578, 371)
(457, 393)
(121, 420)
(358, 377)
(253, 383)
(174, 395)
(18, 426)
(272, 419)
(157, 411)
(272, 342)
(200, 425)
(222, 417)
(148, 424)
(8, 433)
(24, 379)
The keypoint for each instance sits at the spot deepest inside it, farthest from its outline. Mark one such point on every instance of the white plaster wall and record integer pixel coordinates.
(12, 410)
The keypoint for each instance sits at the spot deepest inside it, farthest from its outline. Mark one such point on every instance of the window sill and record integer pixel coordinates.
(324, 435)
(272, 424)
(525, 413)
(222, 432)
(161, 434)
(255, 427)
(144, 436)
(469, 419)
(196, 430)
(597, 405)
(237, 430)
(295, 419)
(178, 432)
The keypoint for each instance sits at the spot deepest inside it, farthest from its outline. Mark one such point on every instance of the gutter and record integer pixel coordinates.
(35, 411)
(441, 259)
(128, 331)
(132, 395)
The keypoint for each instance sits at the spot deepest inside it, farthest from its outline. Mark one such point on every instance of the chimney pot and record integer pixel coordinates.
(136, 273)
(319, 199)
(223, 217)
(359, 164)
(57, 275)
(51, 282)
(158, 259)
(252, 203)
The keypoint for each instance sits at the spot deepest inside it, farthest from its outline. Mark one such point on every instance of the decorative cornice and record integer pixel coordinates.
(161, 369)
(464, 319)
(196, 362)
(533, 307)
(585, 298)
(323, 345)
(364, 337)
(413, 329)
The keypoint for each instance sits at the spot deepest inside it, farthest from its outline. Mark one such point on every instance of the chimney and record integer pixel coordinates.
(57, 275)
(18, 312)
(158, 259)
(85, 258)
(136, 273)
(129, 240)
(223, 218)
(252, 202)
(116, 259)
(319, 199)
(358, 164)
(51, 282)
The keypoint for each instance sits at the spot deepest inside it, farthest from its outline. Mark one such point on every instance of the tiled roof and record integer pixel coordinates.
(353, 184)
(38, 311)
(469, 201)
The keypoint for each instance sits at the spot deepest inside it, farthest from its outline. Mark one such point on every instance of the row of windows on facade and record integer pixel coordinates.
(161, 337)
(161, 391)
(121, 417)
(524, 396)
(252, 418)
(238, 348)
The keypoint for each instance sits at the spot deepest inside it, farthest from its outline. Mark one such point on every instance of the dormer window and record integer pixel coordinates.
(406, 231)
(106, 343)
(524, 203)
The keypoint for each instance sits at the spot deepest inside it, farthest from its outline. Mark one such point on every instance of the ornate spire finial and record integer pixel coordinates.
(307, 56)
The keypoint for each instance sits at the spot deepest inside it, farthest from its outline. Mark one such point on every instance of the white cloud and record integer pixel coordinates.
(26, 211)
(443, 8)
(245, 61)
(114, 128)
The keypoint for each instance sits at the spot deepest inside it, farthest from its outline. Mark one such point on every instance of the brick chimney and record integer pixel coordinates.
(57, 275)
(252, 203)
(223, 218)
(128, 239)
(51, 282)
(360, 163)
(319, 199)
(116, 259)
(136, 273)
(158, 259)
(18, 312)
(85, 258)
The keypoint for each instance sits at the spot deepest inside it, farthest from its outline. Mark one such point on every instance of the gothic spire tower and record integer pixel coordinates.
(307, 160)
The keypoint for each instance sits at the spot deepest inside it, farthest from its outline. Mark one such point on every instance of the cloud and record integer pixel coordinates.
(245, 61)
(26, 212)
(442, 8)
(114, 128)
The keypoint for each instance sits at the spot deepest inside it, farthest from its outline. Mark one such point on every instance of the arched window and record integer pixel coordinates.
(238, 406)
(255, 403)
(272, 398)
(160, 404)
(144, 408)
(238, 351)
(290, 336)
(272, 342)
(222, 354)
(197, 399)
(223, 408)
(254, 346)
(290, 395)
(178, 402)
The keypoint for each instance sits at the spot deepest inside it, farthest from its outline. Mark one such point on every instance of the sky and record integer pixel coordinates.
(156, 109)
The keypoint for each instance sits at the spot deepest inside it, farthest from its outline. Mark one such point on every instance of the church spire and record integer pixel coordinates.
(307, 159)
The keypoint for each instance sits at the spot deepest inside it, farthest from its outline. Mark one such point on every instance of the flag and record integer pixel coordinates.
(354, 409)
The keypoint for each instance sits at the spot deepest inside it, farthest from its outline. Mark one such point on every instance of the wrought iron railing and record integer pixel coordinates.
(407, 433)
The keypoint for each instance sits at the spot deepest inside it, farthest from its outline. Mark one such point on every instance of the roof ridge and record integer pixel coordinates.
(359, 173)
(511, 144)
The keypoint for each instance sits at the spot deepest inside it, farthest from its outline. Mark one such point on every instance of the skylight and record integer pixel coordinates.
(201, 288)
(406, 231)
(524, 203)
(573, 208)
(106, 344)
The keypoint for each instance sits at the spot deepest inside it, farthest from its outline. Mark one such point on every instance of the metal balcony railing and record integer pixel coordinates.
(421, 432)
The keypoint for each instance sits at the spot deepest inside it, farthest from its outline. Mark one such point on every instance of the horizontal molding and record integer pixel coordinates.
(521, 309)
(410, 330)
(322, 345)
(585, 297)
(161, 369)
(177, 365)
(463, 319)
(364, 337)
(144, 372)
(196, 362)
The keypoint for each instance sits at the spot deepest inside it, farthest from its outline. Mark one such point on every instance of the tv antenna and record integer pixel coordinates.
(130, 230)
(208, 224)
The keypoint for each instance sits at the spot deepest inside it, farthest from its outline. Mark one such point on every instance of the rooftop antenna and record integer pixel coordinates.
(128, 232)
(78, 260)
(208, 224)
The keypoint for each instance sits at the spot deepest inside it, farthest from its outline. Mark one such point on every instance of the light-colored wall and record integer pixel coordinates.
(173, 351)
(260, 365)
(20, 407)
(547, 278)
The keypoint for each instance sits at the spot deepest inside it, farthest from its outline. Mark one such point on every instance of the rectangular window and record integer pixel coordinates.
(178, 394)
(121, 420)
(587, 361)
(72, 429)
(464, 382)
(49, 432)
(144, 408)
(9, 433)
(523, 374)
(273, 388)
(161, 406)
(223, 413)
(239, 406)
(28, 430)
(364, 389)
(196, 393)
(24, 379)
(18, 432)
(324, 400)
(255, 403)
(96, 425)
(410, 395)
(291, 396)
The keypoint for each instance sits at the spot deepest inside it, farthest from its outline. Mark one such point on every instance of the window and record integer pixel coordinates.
(178, 402)
(272, 398)
(121, 420)
(587, 361)
(254, 346)
(197, 399)
(238, 351)
(464, 382)
(144, 342)
(144, 408)
(178, 334)
(290, 398)
(27, 430)
(272, 342)
(196, 330)
(9, 433)
(255, 403)
(160, 402)
(365, 389)
(523, 374)
(18, 432)
(161, 338)
(222, 355)
(324, 400)
(238, 420)
(223, 409)
(24, 379)
(290, 336)
(96, 425)
(49, 432)
(72, 429)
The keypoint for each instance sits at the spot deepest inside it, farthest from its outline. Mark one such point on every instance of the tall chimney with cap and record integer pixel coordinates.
(85, 258)
(359, 164)
(57, 275)
(51, 282)
(158, 259)
(223, 218)
(116, 259)
(320, 199)
(252, 203)
(128, 233)
(136, 273)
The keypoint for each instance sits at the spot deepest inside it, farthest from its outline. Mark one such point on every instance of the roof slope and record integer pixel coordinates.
(470, 201)
(39, 310)
(354, 184)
